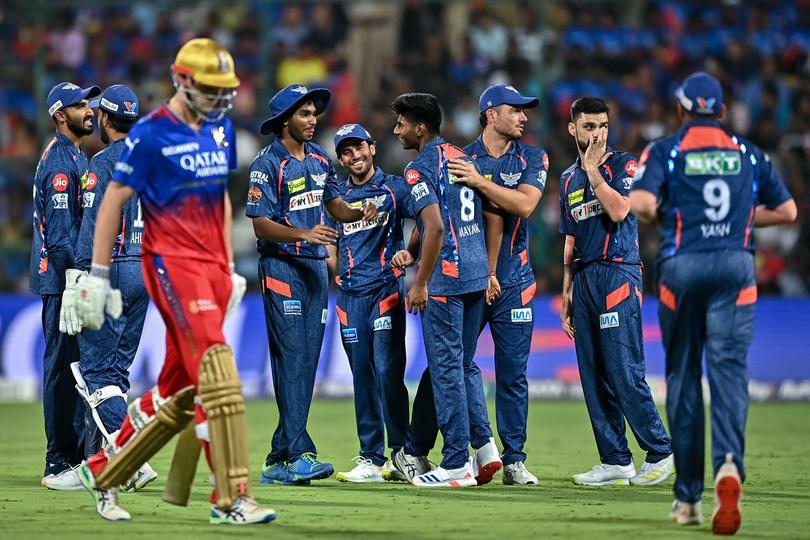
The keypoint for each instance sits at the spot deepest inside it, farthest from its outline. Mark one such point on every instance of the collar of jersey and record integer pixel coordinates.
(435, 141)
(282, 150)
(63, 139)
(483, 149)
(378, 174)
(700, 122)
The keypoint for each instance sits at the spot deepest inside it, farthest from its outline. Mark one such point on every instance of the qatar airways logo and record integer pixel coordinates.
(205, 163)
(310, 199)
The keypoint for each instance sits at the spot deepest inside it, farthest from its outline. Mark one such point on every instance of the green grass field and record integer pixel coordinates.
(776, 503)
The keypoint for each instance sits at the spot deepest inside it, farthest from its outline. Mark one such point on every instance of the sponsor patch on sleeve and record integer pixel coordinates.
(419, 190)
(631, 167)
(412, 176)
(60, 182)
(254, 195)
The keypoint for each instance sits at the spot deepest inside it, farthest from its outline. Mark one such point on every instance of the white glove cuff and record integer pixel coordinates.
(100, 270)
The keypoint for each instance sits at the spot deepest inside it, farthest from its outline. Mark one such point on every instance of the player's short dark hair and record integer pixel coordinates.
(588, 105)
(418, 107)
(482, 119)
(121, 124)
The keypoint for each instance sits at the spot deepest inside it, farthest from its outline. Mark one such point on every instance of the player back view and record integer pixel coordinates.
(709, 188)
(177, 160)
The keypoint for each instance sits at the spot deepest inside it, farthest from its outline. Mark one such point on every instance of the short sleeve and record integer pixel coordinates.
(650, 174)
(536, 168)
(772, 190)
(332, 189)
(262, 197)
(564, 217)
(402, 194)
(421, 190)
(625, 169)
(136, 164)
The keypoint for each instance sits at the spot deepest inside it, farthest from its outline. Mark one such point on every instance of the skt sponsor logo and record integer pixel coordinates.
(292, 307)
(309, 199)
(349, 335)
(419, 190)
(587, 210)
(363, 225)
(60, 201)
(383, 323)
(299, 184)
(713, 163)
(608, 320)
(60, 182)
(522, 315)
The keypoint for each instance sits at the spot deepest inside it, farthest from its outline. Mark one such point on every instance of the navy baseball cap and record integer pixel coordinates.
(498, 94)
(118, 100)
(287, 99)
(351, 131)
(700, 93)
(66, 93)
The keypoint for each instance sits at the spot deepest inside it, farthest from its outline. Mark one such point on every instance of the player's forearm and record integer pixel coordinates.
(433, 232)
(568, 260)
(414, 243)
(513, 201)
(341, 211)
(228, 226)
(493, 237)
(783, 214)
(332, 262)
(108, 222)
(644, 205)
(267, 229)
(615, 204)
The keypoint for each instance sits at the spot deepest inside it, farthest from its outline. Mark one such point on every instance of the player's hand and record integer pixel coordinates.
(95, 296)
(416, 299)
(238, 287)
(464, 172)
(566, 315)
(69, 321)
(321, 235)
(402, 259)
(595, 153)
(493, 290)
(370, 211)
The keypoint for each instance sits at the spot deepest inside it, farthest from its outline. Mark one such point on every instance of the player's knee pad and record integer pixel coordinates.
(223, 403)
(155, 421)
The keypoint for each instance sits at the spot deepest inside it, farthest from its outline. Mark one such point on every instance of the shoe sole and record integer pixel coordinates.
(316, 476)
(467, 482)
(342, 478)
(654, 482)
(225, 521)
(727, 517)
(139, 485)
(393, 476)
(614, 482)
(486, 472)
(268, 481)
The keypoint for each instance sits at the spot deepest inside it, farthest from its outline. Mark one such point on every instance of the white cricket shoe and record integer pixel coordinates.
(67, 480)
(727, 517)
(144, 476)
(391, 474)
(410, 466)
(654, 473)
(684, 513)
(106, 499)
(365, 472)
(486, 462)
(516, 474)
(607, 475)
(440, 478)
(244, 511)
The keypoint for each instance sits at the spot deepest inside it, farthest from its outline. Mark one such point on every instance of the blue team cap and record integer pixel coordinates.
(498, 94)
(67, 93)
(291, 97)
(700, 93)
(118, 100)
(351, 131)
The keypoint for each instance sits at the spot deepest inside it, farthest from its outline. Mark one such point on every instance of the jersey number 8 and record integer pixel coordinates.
(467, 199)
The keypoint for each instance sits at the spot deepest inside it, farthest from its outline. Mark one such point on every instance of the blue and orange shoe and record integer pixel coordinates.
(277, 473)
(307, 468)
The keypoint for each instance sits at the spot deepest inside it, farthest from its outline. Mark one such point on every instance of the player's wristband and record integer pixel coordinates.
(100, 271)
(492, 273)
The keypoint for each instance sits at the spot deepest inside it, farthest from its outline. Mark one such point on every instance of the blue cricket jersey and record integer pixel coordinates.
(365, 248)
(61, 170)
(596, 236)
(522, 164)
(128, 244)
(290, 191)
(708, 183)
(462, 266)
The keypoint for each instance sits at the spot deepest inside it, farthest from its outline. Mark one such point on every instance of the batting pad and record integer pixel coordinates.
(222, 401)
(172, 416)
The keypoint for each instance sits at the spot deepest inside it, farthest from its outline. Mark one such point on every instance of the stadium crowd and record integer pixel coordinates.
(632, 54)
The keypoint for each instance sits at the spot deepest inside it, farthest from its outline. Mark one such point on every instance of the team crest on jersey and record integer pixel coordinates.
(299, 184)
(218, 133)
(510, 179)
(319, 179)
(377, 201)
(254, 195)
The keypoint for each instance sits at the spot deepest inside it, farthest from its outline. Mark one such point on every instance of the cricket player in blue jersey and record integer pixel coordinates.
(449, 292)
(62, 169)
(512, 177)
(286, 188)
(602, 303)
(371, 303)
(102, 377)
(708, 188)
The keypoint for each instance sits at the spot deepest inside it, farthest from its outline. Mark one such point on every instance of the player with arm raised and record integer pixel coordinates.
(177, 160)
(288, 180)
(512, 177)
(602, 303)
(708, 188)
